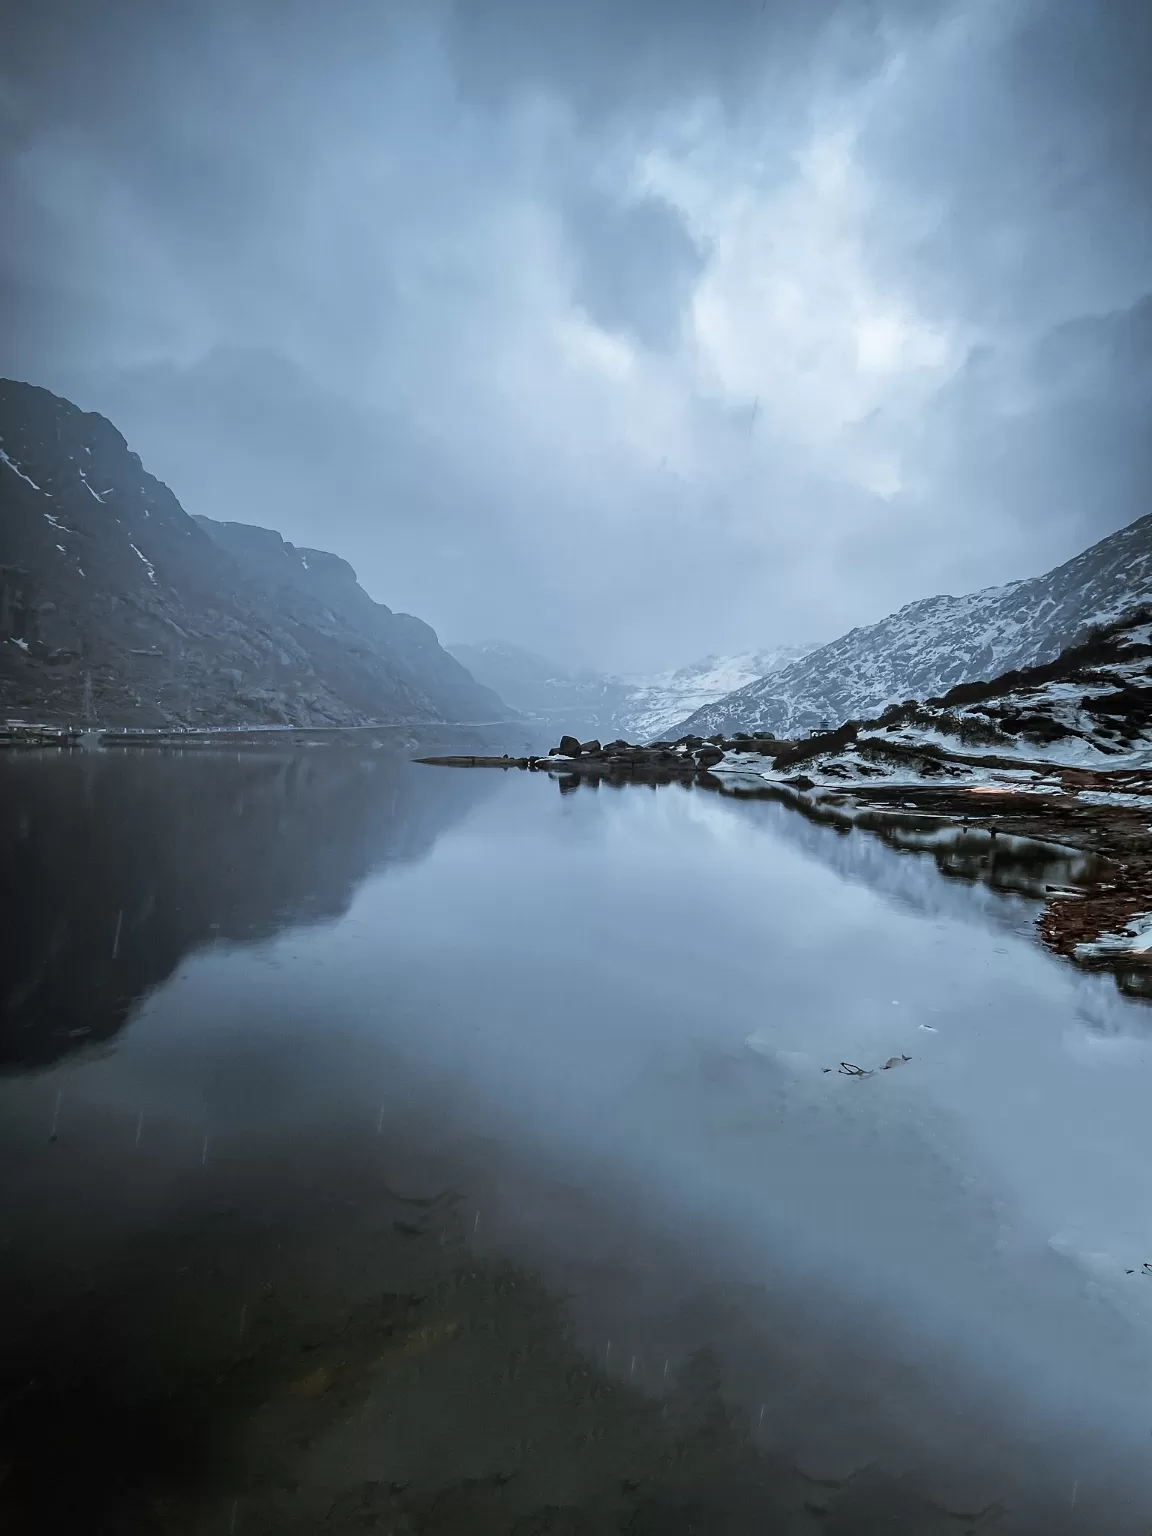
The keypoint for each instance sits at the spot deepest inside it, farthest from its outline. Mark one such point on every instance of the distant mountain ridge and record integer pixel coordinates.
(931, 645)
(656, 705)
(599, 704)
(581, 703)
(115, 604)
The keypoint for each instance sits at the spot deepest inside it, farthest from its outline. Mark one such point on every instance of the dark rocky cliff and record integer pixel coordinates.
(118, 606)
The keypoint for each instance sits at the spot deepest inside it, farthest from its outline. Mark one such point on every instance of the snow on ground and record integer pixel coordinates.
(1020, 737)
(1135, 940)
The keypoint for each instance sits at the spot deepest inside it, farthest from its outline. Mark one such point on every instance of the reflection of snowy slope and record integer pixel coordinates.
(911, 882)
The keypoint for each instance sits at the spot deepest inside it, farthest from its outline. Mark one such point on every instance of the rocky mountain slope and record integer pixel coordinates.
(117, 606)
(596, 704)
(929, 646)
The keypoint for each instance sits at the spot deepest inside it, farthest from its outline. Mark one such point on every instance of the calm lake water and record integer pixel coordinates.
(409, 1149)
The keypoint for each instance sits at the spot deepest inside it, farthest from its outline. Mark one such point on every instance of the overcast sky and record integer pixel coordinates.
(627, 329)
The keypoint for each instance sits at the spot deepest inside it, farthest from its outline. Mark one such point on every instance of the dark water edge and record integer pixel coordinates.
(357, 1314)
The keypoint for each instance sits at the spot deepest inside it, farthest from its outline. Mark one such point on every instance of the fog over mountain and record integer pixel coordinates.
(632, 334)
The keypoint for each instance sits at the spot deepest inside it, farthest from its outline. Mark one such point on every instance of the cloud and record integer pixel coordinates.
(663, 328)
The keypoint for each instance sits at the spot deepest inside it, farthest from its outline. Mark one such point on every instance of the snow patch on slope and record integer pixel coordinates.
(16, 470)
(148, 566)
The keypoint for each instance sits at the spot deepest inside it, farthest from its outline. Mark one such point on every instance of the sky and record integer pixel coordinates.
(626, 332)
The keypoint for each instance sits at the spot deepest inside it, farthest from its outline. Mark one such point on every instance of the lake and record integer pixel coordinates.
(425, 1150)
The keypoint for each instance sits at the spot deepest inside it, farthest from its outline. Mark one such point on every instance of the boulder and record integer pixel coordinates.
(590, 746)
(569, 747)
(707, 756)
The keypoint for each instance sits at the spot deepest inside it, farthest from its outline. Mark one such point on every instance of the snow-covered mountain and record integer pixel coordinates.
(598, 704)
(655, 705)
(930, 646)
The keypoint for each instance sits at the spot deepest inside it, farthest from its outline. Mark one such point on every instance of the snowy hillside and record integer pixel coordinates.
(655, 705)
(929, 646)
(1086, 714)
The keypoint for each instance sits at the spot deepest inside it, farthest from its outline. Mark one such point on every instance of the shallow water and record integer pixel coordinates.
(347, 1103)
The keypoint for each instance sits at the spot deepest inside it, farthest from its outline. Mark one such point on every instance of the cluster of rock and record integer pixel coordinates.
(686, 755)
(618, 762)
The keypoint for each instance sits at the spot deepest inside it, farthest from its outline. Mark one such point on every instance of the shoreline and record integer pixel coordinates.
(1089, 922)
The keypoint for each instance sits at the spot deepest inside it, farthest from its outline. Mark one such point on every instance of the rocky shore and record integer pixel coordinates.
(1059, 754)
(662, 762)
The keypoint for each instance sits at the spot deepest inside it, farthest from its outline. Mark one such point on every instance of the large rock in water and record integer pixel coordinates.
(569, 746)
(104, 576)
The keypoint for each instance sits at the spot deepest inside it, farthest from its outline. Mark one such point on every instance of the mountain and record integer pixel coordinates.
(932, 645)
(655, 705)
(596, 704)
(115, 604)
(1083, 721)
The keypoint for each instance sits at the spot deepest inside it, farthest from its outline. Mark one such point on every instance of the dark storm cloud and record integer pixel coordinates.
(667, 327)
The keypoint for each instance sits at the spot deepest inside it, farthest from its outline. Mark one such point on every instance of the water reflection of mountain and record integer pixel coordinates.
(859, 845)
(115, 866)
